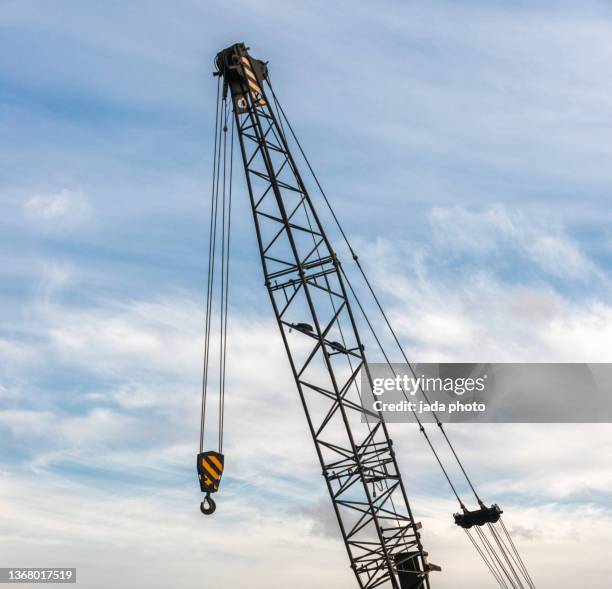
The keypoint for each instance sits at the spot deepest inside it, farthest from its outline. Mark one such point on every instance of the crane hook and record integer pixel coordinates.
(208, 506)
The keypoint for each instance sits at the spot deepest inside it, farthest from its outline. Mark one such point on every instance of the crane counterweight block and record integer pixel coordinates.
(210, 468)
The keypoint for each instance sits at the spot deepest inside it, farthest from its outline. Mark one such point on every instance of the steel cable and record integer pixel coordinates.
(485, 558)
(220, 225)
(521, 563)
(214, 192)
(225, 302)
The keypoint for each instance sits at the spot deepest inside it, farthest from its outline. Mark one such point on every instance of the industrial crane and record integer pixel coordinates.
(316, 306)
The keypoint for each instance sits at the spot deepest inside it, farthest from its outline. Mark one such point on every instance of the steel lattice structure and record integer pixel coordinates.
(311, 304)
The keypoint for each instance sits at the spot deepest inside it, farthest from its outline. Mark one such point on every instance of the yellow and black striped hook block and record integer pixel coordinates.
(210, 469)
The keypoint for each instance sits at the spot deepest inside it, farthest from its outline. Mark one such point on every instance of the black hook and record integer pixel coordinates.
(208, 506)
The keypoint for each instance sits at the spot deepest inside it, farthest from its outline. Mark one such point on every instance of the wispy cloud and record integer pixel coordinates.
(495, 230)
(57, 211)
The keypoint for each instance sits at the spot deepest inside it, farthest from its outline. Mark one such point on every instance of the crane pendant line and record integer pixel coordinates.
(311, 305)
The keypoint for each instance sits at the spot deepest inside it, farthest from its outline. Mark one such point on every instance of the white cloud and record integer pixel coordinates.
(496, 230)
(57, 211)
(469, 294)
(491, 322)
(54, 276)
(123, 538)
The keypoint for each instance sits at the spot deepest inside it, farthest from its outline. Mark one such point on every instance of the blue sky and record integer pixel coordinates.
(466, 147)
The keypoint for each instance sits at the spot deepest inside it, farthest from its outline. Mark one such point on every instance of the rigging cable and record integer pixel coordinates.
(220, 227)
(490, 565)
(501, 567)
(208, 301)
(495, 561)
(520, 562)
(225, 229)
(225, 298)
